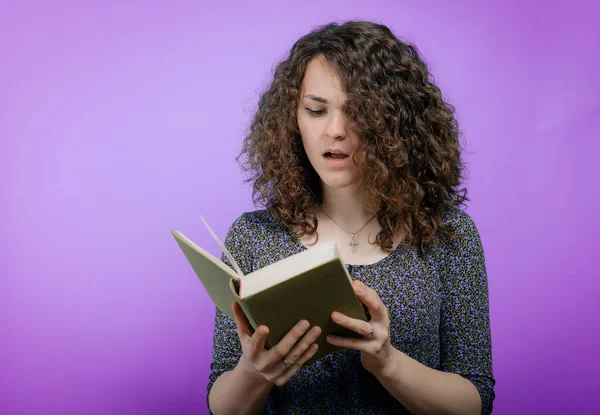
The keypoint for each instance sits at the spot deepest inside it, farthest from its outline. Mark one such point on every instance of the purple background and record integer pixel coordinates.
(119, 122)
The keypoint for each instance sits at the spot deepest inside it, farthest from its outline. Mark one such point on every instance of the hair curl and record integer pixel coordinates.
(409, 154)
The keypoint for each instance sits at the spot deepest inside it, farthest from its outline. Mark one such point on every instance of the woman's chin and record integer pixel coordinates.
(338, 181)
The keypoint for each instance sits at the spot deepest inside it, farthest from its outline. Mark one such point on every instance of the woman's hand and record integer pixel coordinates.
(283, 360)
(375, 347)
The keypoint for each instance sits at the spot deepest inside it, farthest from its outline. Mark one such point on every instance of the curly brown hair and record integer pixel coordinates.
(409, 155)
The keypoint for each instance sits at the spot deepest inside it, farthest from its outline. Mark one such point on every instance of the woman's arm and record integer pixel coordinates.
(231, 389)
(465, 383)
(239, 392)
(243, 372)
(423, 390)
(245, 389)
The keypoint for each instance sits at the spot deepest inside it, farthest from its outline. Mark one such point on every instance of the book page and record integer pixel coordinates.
(290, 267)
(225, 250)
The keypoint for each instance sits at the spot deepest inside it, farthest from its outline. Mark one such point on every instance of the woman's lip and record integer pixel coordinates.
(338, 163)
(329, 150)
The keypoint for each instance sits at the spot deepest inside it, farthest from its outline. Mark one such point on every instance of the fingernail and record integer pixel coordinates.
(336, 317)
(262, 331)
(304, 325)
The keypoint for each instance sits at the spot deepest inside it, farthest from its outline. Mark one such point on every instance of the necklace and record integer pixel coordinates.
(353, 242)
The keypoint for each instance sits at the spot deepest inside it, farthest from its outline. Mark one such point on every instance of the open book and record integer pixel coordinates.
(308, 285)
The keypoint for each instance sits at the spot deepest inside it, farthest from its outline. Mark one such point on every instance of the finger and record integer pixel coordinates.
(364, 328)
(243, 326)
(302, 346)
(281, 349)
(257, 342)
(241, 322)
(371, 299)
(348, 343)
(287, 375)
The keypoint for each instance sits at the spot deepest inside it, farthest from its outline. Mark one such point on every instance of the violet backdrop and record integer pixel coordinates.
(120, 122)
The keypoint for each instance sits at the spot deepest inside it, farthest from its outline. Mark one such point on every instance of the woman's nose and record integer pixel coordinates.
(336, 127)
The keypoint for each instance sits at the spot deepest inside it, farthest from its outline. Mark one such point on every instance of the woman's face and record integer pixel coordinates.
(329, 140)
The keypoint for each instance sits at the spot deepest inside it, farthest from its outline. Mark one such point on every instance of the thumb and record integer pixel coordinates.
(241, 321)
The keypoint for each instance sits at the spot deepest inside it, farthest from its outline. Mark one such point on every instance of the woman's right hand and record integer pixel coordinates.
(283, 360)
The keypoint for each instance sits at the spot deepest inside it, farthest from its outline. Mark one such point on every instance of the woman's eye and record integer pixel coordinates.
(315, 113)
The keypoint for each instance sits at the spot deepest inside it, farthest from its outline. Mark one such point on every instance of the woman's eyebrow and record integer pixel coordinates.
(318, 98)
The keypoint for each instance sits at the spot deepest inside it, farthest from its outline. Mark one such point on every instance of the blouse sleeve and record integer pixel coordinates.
(466, 347)
(227, 350)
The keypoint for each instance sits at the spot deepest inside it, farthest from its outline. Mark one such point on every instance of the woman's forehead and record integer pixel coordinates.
(322, 80)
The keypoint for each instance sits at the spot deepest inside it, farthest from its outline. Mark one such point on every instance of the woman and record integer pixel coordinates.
(353, 143)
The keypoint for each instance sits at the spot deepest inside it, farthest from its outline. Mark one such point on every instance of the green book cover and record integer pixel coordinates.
(308, 285)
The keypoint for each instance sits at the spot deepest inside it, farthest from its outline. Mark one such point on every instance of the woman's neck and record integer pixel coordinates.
(345, 206)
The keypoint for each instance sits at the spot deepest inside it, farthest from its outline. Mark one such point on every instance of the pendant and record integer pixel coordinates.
(353, 242)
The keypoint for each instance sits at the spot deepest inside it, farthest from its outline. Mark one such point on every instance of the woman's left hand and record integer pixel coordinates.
(375, 347)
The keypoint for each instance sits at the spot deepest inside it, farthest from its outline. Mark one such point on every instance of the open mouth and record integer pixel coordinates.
(335, 156)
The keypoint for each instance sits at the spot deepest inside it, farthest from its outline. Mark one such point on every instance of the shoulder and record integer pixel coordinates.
(466, 234)
(253, 224)
(245, 234)
(463, 259)
(459, 220)
(261, 237)
(253, 219)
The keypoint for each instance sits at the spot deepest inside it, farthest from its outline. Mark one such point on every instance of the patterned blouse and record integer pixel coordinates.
(438, 309)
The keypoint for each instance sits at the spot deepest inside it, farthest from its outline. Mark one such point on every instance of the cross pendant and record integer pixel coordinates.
(353, 242)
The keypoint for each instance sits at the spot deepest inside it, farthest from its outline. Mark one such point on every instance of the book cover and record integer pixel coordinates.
(311, 293)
